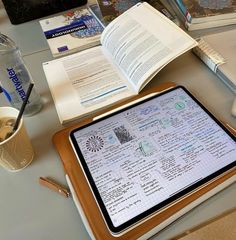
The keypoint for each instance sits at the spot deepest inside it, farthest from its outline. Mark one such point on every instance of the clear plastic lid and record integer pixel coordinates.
(6, 44)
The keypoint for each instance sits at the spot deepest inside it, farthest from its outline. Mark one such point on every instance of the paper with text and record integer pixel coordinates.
(142, 41)
(84, 82)
(93, 69)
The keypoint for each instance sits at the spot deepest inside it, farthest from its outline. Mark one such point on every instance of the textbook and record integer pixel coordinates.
(112, 9)
(119, 68)
(217, 51)
(94, 8)
(198, 15)
(73, 31)
(163, 7)
(106, 13)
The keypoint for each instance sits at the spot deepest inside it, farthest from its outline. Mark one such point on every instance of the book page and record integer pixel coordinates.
(142, 41)
(84, 82)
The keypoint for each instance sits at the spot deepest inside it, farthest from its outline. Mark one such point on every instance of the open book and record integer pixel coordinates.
(134, 47)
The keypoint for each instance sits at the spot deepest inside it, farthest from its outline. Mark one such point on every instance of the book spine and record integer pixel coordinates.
(208, 55)
(213, 60)
(179, 14)
(168, 10)
(184, 10)
(92, 8)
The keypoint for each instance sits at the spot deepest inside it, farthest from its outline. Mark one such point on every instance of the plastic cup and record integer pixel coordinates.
(16, 152)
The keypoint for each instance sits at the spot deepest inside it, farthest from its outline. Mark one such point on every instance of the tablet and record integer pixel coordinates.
(146, 156)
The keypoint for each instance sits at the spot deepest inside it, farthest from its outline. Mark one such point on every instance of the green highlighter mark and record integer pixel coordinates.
(179, 105)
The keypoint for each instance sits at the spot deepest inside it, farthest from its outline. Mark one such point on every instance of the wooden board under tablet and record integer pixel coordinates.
(85, 196)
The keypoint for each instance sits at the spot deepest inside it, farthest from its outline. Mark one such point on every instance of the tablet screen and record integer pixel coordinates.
(150, 154)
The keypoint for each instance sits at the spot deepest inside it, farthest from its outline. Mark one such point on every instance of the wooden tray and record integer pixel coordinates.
(86, 199)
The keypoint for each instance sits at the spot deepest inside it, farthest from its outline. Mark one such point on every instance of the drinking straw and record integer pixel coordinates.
(22, 109)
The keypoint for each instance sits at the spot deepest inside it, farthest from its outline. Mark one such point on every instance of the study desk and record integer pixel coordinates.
(30, 211)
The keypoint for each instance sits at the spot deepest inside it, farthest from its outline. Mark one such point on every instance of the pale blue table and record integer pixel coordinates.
(29, 211)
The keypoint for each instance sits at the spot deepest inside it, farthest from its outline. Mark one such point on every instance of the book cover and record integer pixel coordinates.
(94, 8)
(164, 8)
(106, 11)
(193, 25)
(197, 11)
(72, 31)
(110, 9)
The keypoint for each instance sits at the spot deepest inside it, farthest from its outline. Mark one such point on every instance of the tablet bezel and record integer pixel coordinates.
(121, 228)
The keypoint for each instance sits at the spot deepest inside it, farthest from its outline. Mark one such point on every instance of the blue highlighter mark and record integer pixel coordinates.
(6, 94)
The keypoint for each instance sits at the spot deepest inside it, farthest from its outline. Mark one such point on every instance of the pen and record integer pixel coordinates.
(230, 128)
(233, 130)
(54, 186)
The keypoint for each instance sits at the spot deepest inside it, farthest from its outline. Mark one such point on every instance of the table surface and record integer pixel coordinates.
(30, 211)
